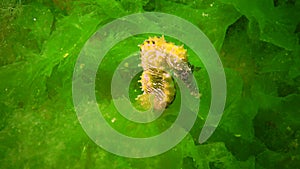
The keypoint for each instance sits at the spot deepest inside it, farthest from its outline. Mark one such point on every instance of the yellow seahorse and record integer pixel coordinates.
(160, 60)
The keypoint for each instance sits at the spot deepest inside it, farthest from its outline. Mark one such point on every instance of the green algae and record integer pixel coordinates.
(258, 42)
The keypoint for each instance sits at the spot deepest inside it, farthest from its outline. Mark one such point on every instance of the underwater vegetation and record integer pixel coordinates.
(258, 43)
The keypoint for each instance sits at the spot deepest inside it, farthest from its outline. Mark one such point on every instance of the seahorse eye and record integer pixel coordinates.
(191, 66)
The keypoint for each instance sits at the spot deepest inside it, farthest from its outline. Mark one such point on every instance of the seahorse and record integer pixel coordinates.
(160, 60)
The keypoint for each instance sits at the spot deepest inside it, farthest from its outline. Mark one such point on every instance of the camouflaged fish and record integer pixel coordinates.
(160, 60)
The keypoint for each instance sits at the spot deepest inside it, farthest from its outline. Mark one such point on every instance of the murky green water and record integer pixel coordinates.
(258, 43)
